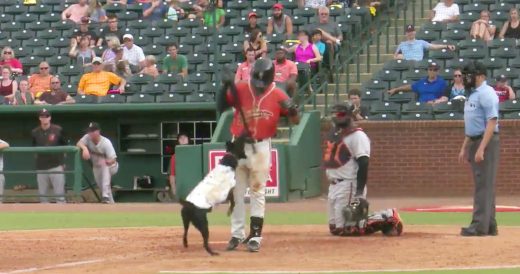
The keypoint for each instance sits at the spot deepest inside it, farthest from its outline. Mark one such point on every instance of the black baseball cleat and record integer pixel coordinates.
(253, 246)
(470, 232)
(493, 231)
(233, 243)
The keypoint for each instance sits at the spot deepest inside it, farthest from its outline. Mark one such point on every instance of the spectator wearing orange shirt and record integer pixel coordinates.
(40, 82)
(285, 71)
(98, 82)
(244, 69)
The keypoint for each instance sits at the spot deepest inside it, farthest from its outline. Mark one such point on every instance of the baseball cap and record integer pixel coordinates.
(278, 6)
(501, 78)
(97, 60)
(44, 113)
(251, 14)
(93, 126)
(85, 20)
(433, 65)
(281, 47)
(129, 36)
(409, 28)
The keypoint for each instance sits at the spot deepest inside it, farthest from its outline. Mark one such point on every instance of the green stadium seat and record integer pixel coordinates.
(499, 17)
(208, 68)
(6, 18)
(239, 5)
(86, 99)
(68, 88)
(515, 63)
(221, 40)
(170, 98)
(59, 43)
(434, 26)
(399, 97)
(443, 54)
(417, 107)
(260, 13)
(234, 48)
(456, 63)
(455, 34)
(224, 58)
(48, 34)
(263, 4)
(191, 40)
(189, 23)
(305, 12)
(26, 18)
(58, 61)
(516, 86)
(38, 26)
(375, 84)
(205, 49)
(51, 2)
(140, 79)
(131, 88)
(449, 116)
(4, 35)
(99, 50)
(23, 34)
(505, 53)
(155, 88)
(139, 24)
(165, 24)
(137, 8)
(416, 116)
(474, 7)
(10, 43)
(473, 53)
(168, 79)
(114, 8)
(12, 26)
(197, 78)
(166, 40)
(510, 106)
(486, 3)
(184, 50)
(231, 30)
(299, 20)
(385, 107)
(336, 12)
(22, 52)
(70, 70)
(15, 9)
(7, 3)
(40, 9)
(383, 117)
(372, 95)
(231, 13)
(140, 98)
(142, 41)
(446, 73)
(45, 52)
(152, 49)
(414, 75)
(184, 88)
(423, 64)
(444, 107)
(289, 4)
(63, 25)
(388, 75)
(460, 25)
(511, 73)
(34, 43)
(112, 99)
(502, 43)
(199, 97)
(152, 32)
(239, 22)
(179, 32)
(208, 87)
(471, 43)
(196, 58)
(127, 16)
(203, 31)
(501, 6)
(275, 38)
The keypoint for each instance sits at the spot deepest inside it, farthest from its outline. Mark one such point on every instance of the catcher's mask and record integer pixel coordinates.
(262, 75)
(470, 73)
(356, 211)
(342, 114)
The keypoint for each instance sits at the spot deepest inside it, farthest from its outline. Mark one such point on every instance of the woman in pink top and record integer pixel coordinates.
(306, 52)
(9, 60)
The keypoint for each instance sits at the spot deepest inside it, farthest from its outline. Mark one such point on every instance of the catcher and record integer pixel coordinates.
(346, 161)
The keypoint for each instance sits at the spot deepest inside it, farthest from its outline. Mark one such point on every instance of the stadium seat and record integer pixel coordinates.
(203, 31)
(208, 68)
(50, 17)
(15, 9)
(457, 63)
(166, 40)
(142, 41)
(289, 4)
(189, 23)
(499, 17)
(155, 88)
(455, 34)
(153, 49)
(469, 17)
(6, 18)
(58, 61)
(416, 107)
(140, 98)
(60, 43)
(38, 26)
(446, 73)
(184, 88)
(170, 98)
(137, 8)
(231, 13)
(474, 7)
(196, 58)
(460, 25)
(510, 73)
(10, 43)
(139, 24)
(449, 116)
(48, 34)
(114, 8)
(26, 18)
(502, 43)
(86, 99)
(239, 22)
(375, 84)
(22, 52)
(31, 61)
(127, 16)
(45, 52)
(473, 53)
(275, 38)
(445, 107)
(224, 58)
(23, 34)
(471, 43)
(510, 106)
(388, 75)
(168, 79)
(305, 13)
(231, 30)
(500, 6)
(416, 116)
(234, 48)
(152, 32)
(372, 95)
(198, 97)
(70, 70)
(63, 25)
(434, 26)
(112, 99)
(515, 84)
(514, 63)
(414, 75)
(427, 35)
(299, 20)
(197, 78)
(179, 32)
(260, 13)
(184, 49)
(40, 9)
(384, 107)
(238, 5)
(12, 26)
(443, 54)
(400, 97)
(140, 79)
(505, 53)
(383, 117)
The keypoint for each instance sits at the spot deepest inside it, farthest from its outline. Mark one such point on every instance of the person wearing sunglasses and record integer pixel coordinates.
(40, 82)
(456, 90)
(8, 59)
(56, 96)
(429, 89)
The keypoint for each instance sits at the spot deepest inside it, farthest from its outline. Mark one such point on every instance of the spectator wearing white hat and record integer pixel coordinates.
(133, 53)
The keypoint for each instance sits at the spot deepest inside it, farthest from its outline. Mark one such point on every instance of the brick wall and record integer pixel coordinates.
(419, 158)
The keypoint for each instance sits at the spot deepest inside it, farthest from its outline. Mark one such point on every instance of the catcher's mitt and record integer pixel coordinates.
(356, 211)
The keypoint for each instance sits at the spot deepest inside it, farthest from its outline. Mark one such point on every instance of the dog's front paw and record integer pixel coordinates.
(185, 242)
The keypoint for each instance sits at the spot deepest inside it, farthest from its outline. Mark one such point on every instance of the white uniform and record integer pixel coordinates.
(344, 179)
(99, 153)
(214, 188)
(252, 172)
(2, 177)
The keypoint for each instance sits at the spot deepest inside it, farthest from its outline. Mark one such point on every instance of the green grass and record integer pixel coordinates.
(49, 220)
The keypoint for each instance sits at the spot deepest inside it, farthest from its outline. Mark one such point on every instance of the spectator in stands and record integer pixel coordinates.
(330, 31)
(48, 134)
(111, 31)
(182, 139)
(98, 82)
(455, 90)
(8, 59)
(40, 82)
(257, 43)
(280, 23)
(3, 145)
(361, 112)
(175, 63)
(150, 67)
(82, 52)
(445, 11)
(84, 30)
(511, 28)
(120, 66)
(482, 28)
(76, 11)
(316, 40)
(503, 90)
(285, 71)
(96, 13)
(8, 86)
(109, 55)
(244, 69)
(206, 13)
(175, 12)
(413, 49)
(154, 10)
(305, 52)
(313, 3)
(132, 53)
(56, 96)
(252, 19)
(23, 95)
(121, 2)
(430, 89)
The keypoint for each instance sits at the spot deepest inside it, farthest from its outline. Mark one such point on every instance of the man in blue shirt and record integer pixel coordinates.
(429, 89)
(481, 148)
(413, 49)
(154, 10)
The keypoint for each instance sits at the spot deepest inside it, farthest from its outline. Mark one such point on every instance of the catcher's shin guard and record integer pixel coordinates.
(394, 225)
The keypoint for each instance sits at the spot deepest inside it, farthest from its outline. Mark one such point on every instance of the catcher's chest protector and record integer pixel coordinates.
(336, 153)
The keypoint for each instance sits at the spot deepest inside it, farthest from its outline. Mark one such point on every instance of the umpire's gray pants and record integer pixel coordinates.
(57, 180)
(484, 177)
(2, 184)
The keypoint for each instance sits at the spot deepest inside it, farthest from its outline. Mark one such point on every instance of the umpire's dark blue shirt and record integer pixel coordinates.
(429, 90)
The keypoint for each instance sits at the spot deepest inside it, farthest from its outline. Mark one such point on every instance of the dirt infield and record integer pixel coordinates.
(290, 248)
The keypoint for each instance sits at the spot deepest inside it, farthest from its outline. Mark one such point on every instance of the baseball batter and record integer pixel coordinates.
(346, 160)
(258, 106)
(100, 151)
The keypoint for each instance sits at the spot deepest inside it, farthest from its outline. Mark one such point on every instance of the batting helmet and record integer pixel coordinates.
(262, 74)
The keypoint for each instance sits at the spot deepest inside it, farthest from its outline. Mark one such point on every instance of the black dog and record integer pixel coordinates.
(198, 216)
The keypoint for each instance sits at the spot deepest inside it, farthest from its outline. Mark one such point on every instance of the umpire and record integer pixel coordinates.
(481, 148)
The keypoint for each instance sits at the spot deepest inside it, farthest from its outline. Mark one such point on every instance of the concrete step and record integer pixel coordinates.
(364, 67)
(320, 98)
(280, 140)
(283, 132)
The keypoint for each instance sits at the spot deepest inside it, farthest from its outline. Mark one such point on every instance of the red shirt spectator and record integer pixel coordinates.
(244, 69)
(9, 60)
(285, 71)
(503, 90)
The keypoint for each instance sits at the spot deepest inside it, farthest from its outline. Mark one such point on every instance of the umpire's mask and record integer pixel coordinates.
(262, 75)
